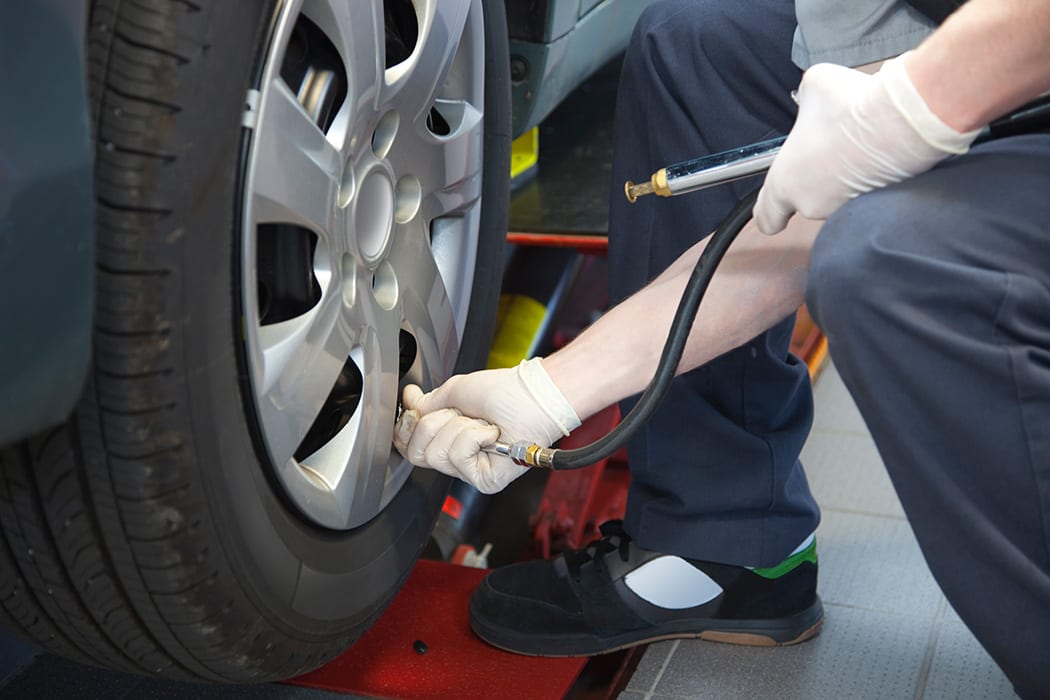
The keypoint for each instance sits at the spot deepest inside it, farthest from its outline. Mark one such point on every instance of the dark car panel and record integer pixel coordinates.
(548, 61)
(46, 214)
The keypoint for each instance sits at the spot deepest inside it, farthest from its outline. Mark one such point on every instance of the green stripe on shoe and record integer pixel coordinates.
(808, 554)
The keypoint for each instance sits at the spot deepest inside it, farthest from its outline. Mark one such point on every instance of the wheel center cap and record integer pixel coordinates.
(374, 214)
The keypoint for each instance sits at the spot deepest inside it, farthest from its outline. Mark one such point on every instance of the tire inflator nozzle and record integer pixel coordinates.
(707, 171)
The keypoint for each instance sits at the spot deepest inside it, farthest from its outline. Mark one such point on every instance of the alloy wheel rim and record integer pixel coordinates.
(361, 223)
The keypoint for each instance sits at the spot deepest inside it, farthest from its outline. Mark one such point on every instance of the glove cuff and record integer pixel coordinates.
(911, 105)
(547, 395)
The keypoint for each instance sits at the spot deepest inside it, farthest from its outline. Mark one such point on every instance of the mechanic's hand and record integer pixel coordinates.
(854, 133)
(447, 428)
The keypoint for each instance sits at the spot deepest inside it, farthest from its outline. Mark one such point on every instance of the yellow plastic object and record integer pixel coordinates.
(524, 153)
(518, 320)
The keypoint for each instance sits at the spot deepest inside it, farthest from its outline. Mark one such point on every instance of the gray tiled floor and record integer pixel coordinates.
(888, 631)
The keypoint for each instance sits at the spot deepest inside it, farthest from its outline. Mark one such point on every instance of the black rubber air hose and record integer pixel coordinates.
(681, 325)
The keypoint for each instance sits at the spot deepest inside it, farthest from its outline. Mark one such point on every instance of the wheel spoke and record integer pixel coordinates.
(356, 463)
(302, 359)
(426, 303)
(412, 85)
(356, 29)
(296, 169)
(369, 472)
(448, 167)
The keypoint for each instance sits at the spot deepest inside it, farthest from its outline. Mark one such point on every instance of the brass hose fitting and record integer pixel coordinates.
(525, 454)
(657, 185)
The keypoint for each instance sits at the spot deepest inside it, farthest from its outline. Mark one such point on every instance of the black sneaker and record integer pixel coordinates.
(614, 594)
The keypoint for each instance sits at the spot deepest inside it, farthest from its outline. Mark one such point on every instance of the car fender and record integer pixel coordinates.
(46, 214)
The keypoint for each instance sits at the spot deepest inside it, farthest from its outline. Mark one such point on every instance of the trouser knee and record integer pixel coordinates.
(679, 18)
(700, 33)
(856, 266)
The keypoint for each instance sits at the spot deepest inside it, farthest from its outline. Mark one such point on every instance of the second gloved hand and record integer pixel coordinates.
(854, 133)
(447, 428)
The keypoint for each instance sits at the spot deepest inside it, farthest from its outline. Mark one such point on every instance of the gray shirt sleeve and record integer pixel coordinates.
(855, 32)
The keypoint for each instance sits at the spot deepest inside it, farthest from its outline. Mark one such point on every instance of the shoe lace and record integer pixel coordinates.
(613, 538)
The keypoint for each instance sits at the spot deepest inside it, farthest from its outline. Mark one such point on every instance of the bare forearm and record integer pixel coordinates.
(759, 282)
(986, 59)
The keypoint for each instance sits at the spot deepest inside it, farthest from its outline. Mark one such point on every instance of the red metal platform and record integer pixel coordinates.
(432, 608)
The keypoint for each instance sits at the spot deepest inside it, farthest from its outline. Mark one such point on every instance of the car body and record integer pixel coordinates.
(46, 214)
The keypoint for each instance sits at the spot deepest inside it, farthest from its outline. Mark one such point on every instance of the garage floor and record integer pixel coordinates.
(888, 632)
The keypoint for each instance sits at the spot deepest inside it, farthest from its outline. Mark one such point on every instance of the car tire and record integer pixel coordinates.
(153, 532)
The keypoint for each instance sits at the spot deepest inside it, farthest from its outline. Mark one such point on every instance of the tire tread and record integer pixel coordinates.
(125, 577)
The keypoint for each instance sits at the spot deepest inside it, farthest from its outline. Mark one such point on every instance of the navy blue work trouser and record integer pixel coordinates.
(715, 474)
(935, 298)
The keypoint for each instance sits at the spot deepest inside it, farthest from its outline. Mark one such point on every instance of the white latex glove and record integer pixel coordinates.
(447, 428)
(854, 133)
